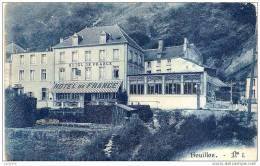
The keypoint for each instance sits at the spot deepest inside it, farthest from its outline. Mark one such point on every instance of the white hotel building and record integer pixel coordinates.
(95, 64)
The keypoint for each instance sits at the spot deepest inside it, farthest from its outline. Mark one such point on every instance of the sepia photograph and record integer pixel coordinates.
(121, 81)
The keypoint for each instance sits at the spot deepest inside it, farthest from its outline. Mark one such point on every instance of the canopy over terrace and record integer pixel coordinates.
(77, 94)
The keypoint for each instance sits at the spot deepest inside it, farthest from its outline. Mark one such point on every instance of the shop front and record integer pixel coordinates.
(79, 94)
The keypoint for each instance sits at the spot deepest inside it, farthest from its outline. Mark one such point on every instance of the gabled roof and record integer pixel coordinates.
(168, 52)
(12, 48)
(217, 82)
(90, 36)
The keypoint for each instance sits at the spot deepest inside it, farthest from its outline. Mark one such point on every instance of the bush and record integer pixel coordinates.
(42, 113)
(144, 112)
(98, 114)
(19, 110)
(123, 97)
(186, 132)
(128, 138)
(94, 151)
(125, 140)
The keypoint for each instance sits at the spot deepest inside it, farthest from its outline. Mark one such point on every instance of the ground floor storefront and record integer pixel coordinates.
(81, 99)
(193, 90)
(79, 94)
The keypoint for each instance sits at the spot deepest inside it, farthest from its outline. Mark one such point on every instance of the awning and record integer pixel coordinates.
(217, 82)
(110, 86)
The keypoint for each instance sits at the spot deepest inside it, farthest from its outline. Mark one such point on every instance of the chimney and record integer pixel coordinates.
(160, 45)
(185, 44)
(75, 39)
(61, 40)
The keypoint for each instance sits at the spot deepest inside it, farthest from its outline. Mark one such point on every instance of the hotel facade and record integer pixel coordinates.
(96, 64)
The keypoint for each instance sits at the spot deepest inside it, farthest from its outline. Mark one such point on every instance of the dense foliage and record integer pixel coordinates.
(219, 30)
(19, 110)
(177, 133)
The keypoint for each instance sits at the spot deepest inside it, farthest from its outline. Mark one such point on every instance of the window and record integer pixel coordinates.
(139, 60)
(169, 70)
(173, 88)
(43, 59)
(115, 72)
(67, 96)
(103, 38)
(137, 88)
(254, 94)
(254, 82)
(169, 62)
(154, 88)
(43, 74)
(21, 59)
(148, 72)
(158, 71)
(44, 93)
(74, 73)
(190, 88)
(62, 57)
(21, 75)
(32, 59)
(30, 94)
(87, 56)
(101, 55)
(158, 63)
(62, 74)
(136, 85)
(88, 73)
(75, 56)
(115, 54)
(149, 64)
(135, 58)
(32, 74)
(101, 72)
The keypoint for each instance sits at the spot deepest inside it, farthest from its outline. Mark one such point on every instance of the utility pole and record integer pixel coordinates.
(252, 77)
(251, 85)
(231, 95)
(198, 96)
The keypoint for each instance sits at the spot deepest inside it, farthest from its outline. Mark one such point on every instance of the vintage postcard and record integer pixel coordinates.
(140, 81)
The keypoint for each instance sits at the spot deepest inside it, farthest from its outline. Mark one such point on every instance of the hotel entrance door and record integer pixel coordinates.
(87, 98)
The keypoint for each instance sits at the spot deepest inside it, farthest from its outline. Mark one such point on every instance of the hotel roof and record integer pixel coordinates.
(14, 48)
(168, 52)
(90, 36)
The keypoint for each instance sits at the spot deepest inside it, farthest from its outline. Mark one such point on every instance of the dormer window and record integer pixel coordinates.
(75, 39)
(158, 63)
(103, 37)
(169, 62)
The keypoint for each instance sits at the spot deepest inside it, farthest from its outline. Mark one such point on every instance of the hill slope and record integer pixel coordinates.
(219, 30)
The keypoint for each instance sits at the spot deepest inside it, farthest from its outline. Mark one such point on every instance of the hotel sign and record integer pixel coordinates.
(88, 64)
(87, 87)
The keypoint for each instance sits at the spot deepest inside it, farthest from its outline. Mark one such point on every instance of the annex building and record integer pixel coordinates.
(95, 65)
